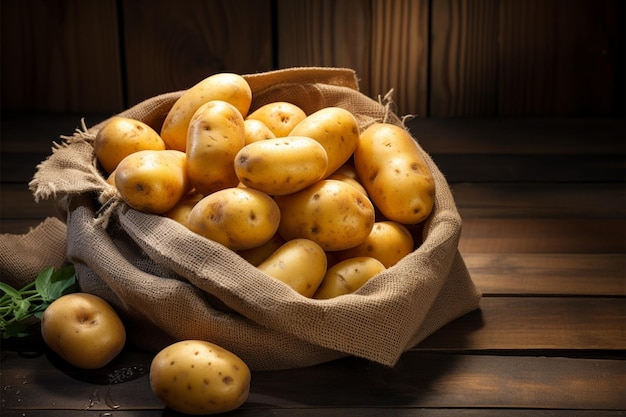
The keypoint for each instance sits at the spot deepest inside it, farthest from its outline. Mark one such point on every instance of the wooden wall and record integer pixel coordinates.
(442, 58)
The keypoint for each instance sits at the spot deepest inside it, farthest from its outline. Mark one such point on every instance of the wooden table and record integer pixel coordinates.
(542, 203)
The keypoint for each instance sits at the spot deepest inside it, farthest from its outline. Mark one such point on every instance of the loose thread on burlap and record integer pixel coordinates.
(388, 104)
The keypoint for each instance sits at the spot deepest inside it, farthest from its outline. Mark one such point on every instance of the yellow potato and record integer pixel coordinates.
(332, 213)
(299, 263)
(232, 88)
(280, 117)
(347, 276)
(215, 135)
(388, 242)
(260, 253)
(348, 180)
(238, 218)
(281, 166)
(152, 181)
(121, 136)
(199, 377)
(181, 210)
(256, 130)
(336, 129)
(394, 173)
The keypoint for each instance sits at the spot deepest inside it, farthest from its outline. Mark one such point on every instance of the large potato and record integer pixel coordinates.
(121, 136)
(332, 213)
(282, 165)
(280, 117)
(83, 329)
(232, 88)
(216, 133)
(199, 377)
(336, 129)
(394, 173)
(347, 276)
(152, 181)
(299, 263)
(238, 218)
(388, 242)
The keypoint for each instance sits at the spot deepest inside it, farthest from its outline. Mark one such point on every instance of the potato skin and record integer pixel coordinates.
(198, 377)
(281, 166)
(336, 129)
(238, 218)
(256, 130)
(280, 117)
(216, 133)
(394, 173)
(229, 87)
(299, 263)
(121, 136)
(388, 242)
(180, 212)
(347, 276)
(152, 181)
(332, 213)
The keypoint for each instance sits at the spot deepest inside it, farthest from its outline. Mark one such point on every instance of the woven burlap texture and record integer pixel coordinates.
(171, 284)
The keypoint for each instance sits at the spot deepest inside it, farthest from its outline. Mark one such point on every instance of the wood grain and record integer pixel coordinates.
(61, 55)
(168, 47)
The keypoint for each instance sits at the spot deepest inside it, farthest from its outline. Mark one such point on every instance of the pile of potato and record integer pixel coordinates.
(310, 200)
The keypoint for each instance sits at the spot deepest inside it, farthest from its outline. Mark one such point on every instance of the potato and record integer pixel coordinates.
(256, 130)
(282, 165)
(216, 133)
(260, 253)
(394, 173)
(232, 88)
(83, 329)
(181, 210)
(388, 242)
(299, 263)
(280, 117)
(238, 218)
(336, 129)
(121, 136)
(199, 377)
(348, 180)
(332, 213)
(152, 181)
(347, 276)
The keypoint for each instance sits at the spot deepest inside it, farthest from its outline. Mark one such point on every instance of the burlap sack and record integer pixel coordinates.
(170, 284)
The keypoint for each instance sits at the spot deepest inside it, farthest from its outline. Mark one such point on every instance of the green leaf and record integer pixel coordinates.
(62, 282)
(42, 282)
(21, 309)
(10, 291)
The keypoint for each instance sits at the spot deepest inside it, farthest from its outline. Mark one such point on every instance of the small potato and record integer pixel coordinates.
(152, 181)
(260, 253)
(388, 242)
(394, 173)
(198, 377)
(336, 129)
(280, 117)
(332, 213)
(238, 218)
(348, 180)
(256, 130)
(121, 136)
(299, 263)
(347, 276)
(216, 134)
(181, 210)
(232, 88)
(281, 166)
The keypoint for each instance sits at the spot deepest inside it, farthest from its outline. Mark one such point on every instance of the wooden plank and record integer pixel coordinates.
(548, 274)
(169, 47)
(18, 203)
(536, 323)
(463, 59)
(524, 136)
(64, 55)
(419, 380)
(325, 33)
(542, 200)
(399, 54)
(574, 236)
